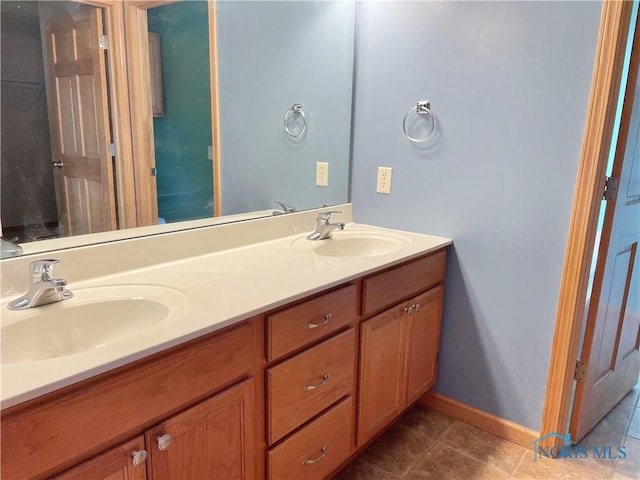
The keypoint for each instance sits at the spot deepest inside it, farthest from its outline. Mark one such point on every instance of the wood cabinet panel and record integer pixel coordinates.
(297, 326)
(114, 464)
(317, 449)
(382, 351)
(213, 440)
(71, 427)
(423, 333)
(399, 283)
(303, 386)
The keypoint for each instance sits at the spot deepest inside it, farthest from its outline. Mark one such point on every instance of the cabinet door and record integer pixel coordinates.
(213, 440)
(381, 382)
(423, 342)
(115, 464)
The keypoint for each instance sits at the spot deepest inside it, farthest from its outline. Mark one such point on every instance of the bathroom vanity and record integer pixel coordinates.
(292, 384)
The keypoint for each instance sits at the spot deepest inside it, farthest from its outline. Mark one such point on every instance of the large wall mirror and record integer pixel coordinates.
(201, 110)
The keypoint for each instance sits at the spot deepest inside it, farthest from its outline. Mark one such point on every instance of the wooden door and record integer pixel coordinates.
(423, 341)
(213, 440)
(381, 381)
(612, 335)
(115, 464)
(76, 82)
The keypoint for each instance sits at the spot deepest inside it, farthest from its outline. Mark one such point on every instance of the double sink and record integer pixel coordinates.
(99, 316)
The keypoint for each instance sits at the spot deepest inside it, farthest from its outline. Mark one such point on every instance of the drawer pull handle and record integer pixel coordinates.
(164, 441)
(325, 379)
(309, 461)
(139, 457)
(311, 326)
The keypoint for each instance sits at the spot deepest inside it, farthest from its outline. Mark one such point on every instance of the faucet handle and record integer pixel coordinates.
(42, 270)
(327, 215)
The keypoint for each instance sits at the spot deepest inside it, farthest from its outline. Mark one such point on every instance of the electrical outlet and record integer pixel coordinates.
(322, 174)
(384, 180)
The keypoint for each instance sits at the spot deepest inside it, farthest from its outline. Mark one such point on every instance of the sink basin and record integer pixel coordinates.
(93, 318)
(355, 244)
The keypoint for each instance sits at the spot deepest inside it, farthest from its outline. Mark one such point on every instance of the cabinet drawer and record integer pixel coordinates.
(301, 324)
(387, 288)
(303, 386)
(73, 426)
(317, 449)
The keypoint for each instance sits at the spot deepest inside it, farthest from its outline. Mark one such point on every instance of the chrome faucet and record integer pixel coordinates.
(44, 288)
(286, 208)
(324, 227)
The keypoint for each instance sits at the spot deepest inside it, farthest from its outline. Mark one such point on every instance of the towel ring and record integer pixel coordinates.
(421, 108)
(296, 109)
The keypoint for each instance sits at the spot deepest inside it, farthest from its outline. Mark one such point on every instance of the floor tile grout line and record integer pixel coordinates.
(471, 456)
(519, 463)
(629, 418)
(444, 442)
(419, 458)
(453, 420)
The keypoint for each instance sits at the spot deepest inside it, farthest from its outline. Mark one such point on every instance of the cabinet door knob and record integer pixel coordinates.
(310, 325)
(416, 307)
(408, 310)
(309, 461)
(325, 379)
(164, 441)
(139, 457)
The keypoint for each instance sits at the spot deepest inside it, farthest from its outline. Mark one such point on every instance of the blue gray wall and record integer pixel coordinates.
(272, 54)
(509, 83)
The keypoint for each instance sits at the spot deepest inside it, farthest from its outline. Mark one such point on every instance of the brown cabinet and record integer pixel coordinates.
(72, 426)
(315, 450)
(213, 440)
(305, 385)
(299, 325)
(404, 281)
(398, 360)
(309, 403)
(124, 462)
(423, 343)
(293, 393)
(382, 343)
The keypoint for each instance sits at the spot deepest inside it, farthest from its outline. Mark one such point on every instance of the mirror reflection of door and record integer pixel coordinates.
(75, 71)
(182, 134)
(57, 173)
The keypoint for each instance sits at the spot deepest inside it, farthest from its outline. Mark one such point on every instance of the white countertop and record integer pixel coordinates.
(221, 288)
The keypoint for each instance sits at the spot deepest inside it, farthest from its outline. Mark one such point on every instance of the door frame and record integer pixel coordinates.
(118, 91)
(603, 100)
(135, 16)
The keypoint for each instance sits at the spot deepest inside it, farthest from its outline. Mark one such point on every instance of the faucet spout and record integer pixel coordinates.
(44, 288)
(324, 228)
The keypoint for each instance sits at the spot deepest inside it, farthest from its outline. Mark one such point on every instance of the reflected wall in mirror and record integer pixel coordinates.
(182, 135)
(272, 55)
(81, 148)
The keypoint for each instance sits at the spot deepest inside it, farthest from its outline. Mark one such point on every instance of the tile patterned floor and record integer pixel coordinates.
(425, 445)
